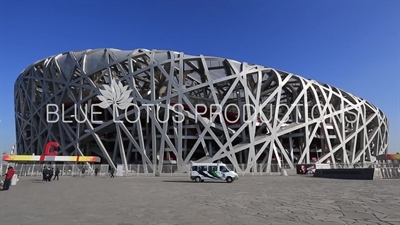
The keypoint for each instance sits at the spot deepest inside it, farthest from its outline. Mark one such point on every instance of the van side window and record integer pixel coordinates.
(194, 168)
(223, 169)
(202, 168)
(212, 168)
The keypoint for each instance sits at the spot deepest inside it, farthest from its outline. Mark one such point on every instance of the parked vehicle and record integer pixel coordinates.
(199, 172)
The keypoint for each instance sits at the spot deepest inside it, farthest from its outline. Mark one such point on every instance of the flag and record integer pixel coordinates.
(12, 150)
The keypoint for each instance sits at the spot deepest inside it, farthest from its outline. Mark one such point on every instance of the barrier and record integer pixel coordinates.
(74, 169)
(388, 171)
(352, 174)
(14, 180)
(310, 168)
(377, 174)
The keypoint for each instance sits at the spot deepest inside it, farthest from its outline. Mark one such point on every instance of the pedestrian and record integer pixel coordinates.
(9, 175)
(51, 172)
(112, 173)
(44, 173)
(83, 171)
(96, 171)
(56, 173)
(48, 174)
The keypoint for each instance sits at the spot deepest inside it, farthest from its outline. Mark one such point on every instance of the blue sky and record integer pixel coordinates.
(353, 45)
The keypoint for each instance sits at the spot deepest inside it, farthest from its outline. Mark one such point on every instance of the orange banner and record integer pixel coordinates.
(393, 157)
(38, 158)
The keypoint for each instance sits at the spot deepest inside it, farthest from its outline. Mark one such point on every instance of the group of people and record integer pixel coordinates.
(48, 173)
(9, 175)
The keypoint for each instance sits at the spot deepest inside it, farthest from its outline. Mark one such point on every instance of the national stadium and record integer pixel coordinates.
(157, 107)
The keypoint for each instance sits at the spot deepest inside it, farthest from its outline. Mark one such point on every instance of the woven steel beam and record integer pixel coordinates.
(288, 119)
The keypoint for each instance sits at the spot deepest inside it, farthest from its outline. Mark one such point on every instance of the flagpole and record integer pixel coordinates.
(11, 153)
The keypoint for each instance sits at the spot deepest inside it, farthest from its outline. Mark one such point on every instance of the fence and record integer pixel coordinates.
(388, 170)
(132, 170)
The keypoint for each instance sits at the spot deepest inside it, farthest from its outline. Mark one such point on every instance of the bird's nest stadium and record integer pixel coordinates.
(156, 107)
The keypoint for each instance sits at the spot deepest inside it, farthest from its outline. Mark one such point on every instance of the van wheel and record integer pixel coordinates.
(197, 179)
(229, 179)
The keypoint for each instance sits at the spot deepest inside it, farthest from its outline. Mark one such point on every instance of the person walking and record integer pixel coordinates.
(83, 171)
(56, 173)
(51, 172)
(48, 174)
(112, 173)
(9, 175)
(96, 171)
(44, 173)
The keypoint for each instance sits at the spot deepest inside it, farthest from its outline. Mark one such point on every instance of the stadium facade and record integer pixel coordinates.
(164, 107)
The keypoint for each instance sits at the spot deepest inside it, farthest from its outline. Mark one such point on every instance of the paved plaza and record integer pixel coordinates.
(167, 200)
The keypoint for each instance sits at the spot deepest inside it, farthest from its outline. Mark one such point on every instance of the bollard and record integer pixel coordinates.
(14, 180)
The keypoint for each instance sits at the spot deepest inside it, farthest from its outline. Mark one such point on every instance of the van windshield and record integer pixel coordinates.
(223, 169)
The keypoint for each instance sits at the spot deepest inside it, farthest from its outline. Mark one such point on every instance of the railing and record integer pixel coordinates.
(132, 170)
(388, 170)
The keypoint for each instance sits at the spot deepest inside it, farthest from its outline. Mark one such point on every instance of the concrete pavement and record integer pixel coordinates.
(163, 200)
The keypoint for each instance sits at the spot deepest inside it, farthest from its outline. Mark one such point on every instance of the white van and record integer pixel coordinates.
(212, 171)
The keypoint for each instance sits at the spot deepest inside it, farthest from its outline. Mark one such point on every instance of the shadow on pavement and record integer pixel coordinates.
(307, 176)
(178, 181)
(37, 181)
(189, 181)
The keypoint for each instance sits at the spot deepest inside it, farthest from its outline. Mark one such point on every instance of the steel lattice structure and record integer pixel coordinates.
(295, 120)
